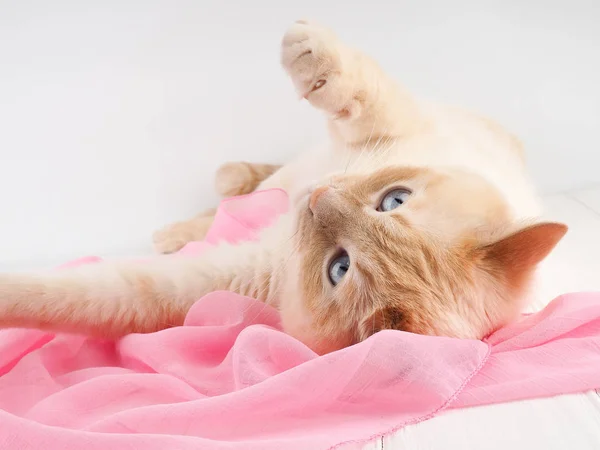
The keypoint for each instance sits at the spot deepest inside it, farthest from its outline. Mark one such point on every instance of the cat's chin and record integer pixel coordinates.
(321, 345)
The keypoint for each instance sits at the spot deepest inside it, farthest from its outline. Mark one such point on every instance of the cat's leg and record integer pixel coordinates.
(111, 299)
(239, 178)
(231, 179)
(175, 236)
(363, 104)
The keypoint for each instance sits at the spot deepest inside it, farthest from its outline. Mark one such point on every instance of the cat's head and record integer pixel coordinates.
(411, 249)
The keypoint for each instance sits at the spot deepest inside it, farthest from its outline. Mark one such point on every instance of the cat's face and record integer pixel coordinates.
(411, 249)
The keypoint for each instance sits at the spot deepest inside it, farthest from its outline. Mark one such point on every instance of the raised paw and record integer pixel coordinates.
(321, 67)
(362, 102)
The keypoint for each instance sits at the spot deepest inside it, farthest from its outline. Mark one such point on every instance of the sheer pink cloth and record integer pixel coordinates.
(230, 379)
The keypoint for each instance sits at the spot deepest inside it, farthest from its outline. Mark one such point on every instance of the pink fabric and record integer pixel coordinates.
(230, 379)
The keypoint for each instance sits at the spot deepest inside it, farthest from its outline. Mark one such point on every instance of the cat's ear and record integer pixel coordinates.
(512, 259)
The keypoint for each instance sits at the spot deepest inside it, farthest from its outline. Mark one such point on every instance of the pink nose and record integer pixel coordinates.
(314, 197)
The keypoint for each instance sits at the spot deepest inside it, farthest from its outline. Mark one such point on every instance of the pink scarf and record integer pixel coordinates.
(230, 379)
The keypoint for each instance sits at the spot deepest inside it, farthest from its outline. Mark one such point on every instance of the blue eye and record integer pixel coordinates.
(338, 268)
(394, 199)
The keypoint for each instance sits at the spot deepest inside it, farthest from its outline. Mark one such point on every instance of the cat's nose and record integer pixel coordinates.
(314, 197)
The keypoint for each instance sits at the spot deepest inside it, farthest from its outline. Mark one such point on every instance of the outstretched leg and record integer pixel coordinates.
(363, 104)
(111, 299)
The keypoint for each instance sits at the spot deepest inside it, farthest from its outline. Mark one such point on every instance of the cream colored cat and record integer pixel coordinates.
(423, 220)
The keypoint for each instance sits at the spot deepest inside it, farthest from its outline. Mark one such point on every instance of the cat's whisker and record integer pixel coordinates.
(280, 248)
(373, 154)
(277, 270)
(363, 147)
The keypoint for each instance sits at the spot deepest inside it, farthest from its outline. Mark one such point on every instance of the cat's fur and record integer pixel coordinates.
(456, 259)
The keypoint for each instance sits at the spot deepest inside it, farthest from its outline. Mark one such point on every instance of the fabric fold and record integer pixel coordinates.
(229, 378)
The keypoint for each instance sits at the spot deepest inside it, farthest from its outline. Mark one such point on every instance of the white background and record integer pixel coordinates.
(115, 114)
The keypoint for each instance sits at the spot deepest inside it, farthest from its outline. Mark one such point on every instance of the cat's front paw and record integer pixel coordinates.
(320, 66)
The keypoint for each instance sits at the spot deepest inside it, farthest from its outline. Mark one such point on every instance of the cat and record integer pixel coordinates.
(422, 219)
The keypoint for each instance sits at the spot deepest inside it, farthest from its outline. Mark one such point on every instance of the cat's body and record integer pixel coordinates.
(411, 217)
(454, 138)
